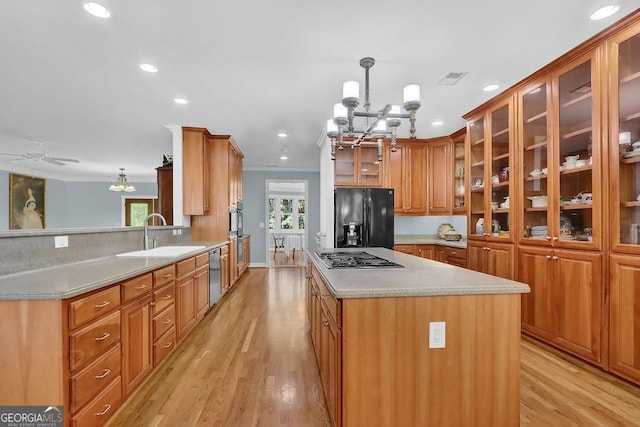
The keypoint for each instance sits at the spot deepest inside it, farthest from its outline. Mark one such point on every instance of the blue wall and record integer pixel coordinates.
(71, 204)
(428, 224)
(254, 206)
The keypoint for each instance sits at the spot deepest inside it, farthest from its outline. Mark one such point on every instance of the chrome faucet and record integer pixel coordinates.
(146, 227)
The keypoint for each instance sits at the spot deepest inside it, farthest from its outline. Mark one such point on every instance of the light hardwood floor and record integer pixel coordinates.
(250, 362)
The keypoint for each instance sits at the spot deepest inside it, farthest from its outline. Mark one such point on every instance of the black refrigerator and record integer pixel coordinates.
(363, 217)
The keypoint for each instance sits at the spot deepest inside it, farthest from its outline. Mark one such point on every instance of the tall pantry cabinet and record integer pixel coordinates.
(624, 203)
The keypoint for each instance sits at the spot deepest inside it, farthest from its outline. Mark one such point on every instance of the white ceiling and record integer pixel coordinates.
(252, 69)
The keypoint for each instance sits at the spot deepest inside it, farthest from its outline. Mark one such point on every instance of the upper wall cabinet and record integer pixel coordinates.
(358, 167)
(439, 175)
(195, 171)
(406, 173)
(458, 141)
(624, 125)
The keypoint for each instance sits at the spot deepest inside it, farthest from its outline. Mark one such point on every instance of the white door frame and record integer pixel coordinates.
(266, 211)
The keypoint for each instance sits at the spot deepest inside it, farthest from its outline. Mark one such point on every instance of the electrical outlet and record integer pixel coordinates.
(179, 231)
(261, 225)
(61, 241)
(437, 334)
(175, 232)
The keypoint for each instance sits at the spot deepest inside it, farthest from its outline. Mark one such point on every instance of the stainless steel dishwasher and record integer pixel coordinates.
(214, 276)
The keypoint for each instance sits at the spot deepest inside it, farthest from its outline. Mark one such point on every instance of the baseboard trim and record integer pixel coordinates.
(257, 264)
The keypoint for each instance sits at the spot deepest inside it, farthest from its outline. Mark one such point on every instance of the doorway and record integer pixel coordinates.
(137, 209)
(286, 219)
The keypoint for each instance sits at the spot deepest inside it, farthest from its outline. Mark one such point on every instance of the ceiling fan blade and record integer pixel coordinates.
(53, 161)
(13, 154)
(62, 159)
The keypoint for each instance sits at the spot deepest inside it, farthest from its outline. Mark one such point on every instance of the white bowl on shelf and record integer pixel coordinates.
(581, 163)
(538, 201)
(536, 172)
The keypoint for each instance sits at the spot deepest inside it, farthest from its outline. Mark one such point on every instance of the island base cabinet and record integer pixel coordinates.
(624, 338)
(98, 411)
(137, 341)
(390, 376)
(564, 307)
(330, 369)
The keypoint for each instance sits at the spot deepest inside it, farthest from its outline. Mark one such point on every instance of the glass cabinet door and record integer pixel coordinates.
(534, 143)
(475, 130)
(369, 166)
(500, 170)
(345, 167)
(576, 153)
(625, 145)
(458, 145)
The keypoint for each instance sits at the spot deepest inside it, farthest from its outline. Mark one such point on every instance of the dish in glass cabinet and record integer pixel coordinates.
(566, 227)
(632, 153)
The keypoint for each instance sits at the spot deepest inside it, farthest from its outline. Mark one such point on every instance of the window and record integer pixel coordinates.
(286, 213)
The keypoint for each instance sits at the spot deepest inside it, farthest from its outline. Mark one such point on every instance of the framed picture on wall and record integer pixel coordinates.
(26, 202)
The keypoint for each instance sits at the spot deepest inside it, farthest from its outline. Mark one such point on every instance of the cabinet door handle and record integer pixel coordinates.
(324, 296)
(325, 322)
(547, 237)
(166, 322)
(106, 409)
(166, 276)
(103, 337)
(555, 238)
(547, 256)
(167, 345)
(453, 252)
(106, 372)
(167, 297)
(152, 303)
(555, 258)
(104, 304)
(140, 287)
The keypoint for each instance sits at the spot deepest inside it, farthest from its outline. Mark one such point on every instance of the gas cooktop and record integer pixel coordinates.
(354, 260)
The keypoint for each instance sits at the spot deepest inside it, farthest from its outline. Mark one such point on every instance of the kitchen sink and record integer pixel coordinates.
(163, 251)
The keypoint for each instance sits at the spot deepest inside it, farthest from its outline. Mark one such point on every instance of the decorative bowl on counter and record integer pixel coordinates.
(444, 228)
(452, 235)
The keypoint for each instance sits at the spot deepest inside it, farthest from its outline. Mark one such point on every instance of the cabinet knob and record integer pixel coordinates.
(555, 258)
(325, 322)
(152, 303)
(555, 238)
(547, 237)
(547, 256)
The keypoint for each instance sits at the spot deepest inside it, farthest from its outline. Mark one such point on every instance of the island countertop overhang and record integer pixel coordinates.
(419, 277)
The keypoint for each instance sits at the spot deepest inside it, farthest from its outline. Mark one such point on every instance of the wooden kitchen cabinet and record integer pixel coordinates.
(459, 184)
(185, 297)
(624, 344)
(246, 255)
(425, 251)
(439, 254)
(224, 270)
(201, 284)
(496, 259)
(358, 166)
(565, 306)
(233, 260)
(195, 171)
(439, 176)
(235, 174)
(137, 343)
(165, 192)
(405, 249)
(406, 173)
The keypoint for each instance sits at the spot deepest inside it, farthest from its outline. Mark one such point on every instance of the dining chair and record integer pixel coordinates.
(278, 242)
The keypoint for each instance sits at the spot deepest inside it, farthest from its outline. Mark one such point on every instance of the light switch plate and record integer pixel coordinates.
(61, 241)
(437, 334)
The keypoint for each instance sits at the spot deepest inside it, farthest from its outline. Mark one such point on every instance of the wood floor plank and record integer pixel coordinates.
(250, 362)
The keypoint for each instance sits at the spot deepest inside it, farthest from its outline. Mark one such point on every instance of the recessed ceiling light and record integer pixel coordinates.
(282, 135)
(96, 9)
(283, 153)
(436, 123)
(491, 87)
(604, 12)
(149, 68)
(180, 101)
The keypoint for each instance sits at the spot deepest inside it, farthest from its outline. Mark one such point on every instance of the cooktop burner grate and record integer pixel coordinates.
(355, 260)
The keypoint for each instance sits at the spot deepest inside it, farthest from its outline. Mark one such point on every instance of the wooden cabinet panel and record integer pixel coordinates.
(185, 267)
(405, 249)
(439, 176)
(501, 260)
(93, 339)
(165, 193)
(195, 171)
(224, 269)
(201, 284)
(134, 288)
(624, 336)
(86, 384)
(137, 340)
(163, 298)
(98, 411)
(93, 306)
(439, 254)
(478, 259)
(164, 275)
(164, 321)
(425, 251)
(233, 260)
(185, 305)
(164, 346)
(358, 167)
(579, 293)
(535, 269)
(406, 173)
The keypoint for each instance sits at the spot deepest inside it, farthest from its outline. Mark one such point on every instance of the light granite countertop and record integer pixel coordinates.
(427, 239)
(70, 280)
(419, 277)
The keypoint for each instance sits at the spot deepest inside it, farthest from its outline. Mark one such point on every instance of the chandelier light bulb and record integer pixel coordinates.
(351, 93)
(411, 97)
(340, 114)
(332, 129)
(381, 126)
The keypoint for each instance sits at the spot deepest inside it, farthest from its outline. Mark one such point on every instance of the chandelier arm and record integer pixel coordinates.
(350, 115)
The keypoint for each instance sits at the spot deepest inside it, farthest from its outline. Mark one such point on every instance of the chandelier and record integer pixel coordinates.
(377, 125)
(122, 184)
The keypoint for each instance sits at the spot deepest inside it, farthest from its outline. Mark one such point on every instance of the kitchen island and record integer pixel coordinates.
(371, 332)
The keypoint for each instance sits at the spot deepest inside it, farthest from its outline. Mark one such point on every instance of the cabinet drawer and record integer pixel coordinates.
(224, 250)
(100, 409)
(132, 289)
(202, 260)
(455, 252)
(164, 346)
(93, 306)
(92, 340)
(164, 275)
(185, 267)
(164, 321)
(163, 298)
(327, 298)
(86, 384)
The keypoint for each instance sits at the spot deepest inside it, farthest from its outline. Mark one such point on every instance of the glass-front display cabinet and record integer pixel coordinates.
(499, 184)
(534, 103)
(476, 172)
(458, 149)
(625, 143)
(357, 166)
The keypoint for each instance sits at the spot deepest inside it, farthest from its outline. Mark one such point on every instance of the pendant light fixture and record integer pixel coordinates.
(375, 123)
(122, 184)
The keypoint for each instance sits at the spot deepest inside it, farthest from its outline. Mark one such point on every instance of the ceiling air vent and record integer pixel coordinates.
(452, 78)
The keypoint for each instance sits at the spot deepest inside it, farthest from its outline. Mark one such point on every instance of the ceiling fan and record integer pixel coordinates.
(41, 157)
